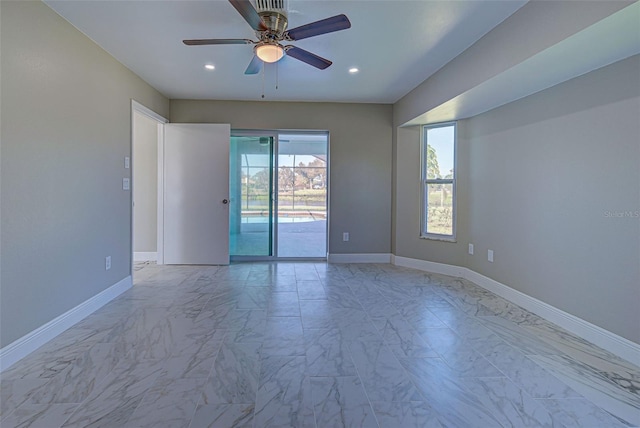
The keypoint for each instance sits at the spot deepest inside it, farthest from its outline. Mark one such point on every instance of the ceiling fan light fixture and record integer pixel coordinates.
(269, 20)
(269, 52)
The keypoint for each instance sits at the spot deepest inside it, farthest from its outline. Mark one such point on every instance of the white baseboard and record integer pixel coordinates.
(360, 258)
(605, 339)
(28, 343)
(426, 266)
(597, 335)
(145, 256)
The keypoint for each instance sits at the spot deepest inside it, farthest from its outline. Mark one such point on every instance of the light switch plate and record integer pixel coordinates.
(127, 162)
(126, 184)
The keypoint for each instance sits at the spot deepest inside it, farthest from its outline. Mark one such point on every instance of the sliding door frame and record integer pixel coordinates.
(275, 134)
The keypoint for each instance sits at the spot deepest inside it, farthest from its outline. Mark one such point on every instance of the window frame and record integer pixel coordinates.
(424, 183)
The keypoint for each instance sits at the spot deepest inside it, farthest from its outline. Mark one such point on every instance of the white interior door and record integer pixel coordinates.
(196, 194)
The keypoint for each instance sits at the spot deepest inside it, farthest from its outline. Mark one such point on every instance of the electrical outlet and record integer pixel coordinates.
(126, 184)
(490, 255)
(107, 263)
(471, 249)
(127, 162)
(345, 236)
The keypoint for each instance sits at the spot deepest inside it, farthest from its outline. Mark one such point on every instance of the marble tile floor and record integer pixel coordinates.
(315, 345)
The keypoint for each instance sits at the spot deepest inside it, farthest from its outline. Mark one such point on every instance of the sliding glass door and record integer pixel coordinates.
(278, 195)
(251, 196)
(302, 195)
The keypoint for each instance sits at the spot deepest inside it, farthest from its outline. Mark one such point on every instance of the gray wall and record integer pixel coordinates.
(544, 172)
(145, 183)
(66, 128)
(539, 180)
(360, 158)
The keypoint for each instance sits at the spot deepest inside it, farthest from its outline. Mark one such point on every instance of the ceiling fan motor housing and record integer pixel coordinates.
(274, 15)
(271, 5)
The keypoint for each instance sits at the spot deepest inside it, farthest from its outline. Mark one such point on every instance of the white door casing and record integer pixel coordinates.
(196, 186)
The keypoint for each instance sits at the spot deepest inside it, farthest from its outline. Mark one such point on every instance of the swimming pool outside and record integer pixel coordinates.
(264, 220)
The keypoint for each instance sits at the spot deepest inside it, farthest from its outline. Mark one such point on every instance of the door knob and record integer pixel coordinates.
(225, 201)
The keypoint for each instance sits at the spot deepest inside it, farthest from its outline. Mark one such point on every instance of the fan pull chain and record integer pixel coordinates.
(263, 68)
(277, 75)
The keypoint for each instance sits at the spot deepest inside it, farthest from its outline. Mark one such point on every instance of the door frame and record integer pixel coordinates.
(137, 107)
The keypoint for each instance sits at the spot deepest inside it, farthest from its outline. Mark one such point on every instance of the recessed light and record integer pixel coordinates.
(353, 70)
(210, 66)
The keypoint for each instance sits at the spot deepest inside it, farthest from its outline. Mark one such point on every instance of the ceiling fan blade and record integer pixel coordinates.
(200, 42)
(249, 14)
(329, 25)
(254, 66)
(308, 57)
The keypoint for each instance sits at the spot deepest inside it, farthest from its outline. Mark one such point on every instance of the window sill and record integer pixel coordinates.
(439, 238)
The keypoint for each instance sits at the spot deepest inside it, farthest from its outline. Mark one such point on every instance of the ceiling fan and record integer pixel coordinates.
(270, 24)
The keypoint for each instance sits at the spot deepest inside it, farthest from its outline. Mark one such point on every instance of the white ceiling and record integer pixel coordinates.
(612, 39)
(396, 45)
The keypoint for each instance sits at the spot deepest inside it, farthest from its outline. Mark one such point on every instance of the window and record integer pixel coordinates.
(438, 181)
